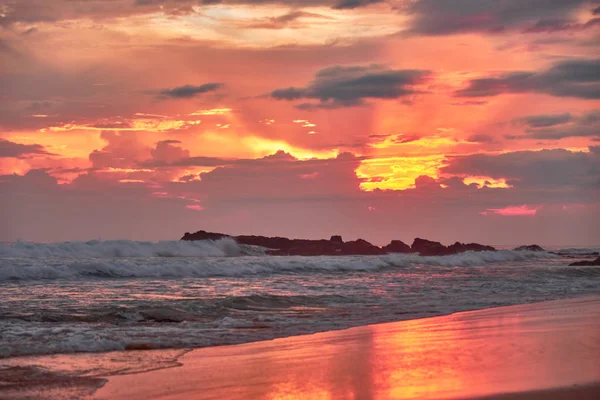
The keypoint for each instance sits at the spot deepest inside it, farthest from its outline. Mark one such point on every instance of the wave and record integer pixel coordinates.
(225, 247)
(575, 251)
(169, 260)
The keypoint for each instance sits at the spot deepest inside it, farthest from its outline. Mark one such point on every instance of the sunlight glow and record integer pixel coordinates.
(396, 173)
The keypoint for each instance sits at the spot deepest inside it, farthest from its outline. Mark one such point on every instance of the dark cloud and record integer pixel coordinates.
(596, 11)
(573, 78)
(480, 138)
(558, 25)
(557, 168)
(350, 4)
(342, 86)
(254, 198)
(585, 125)
(18, 150)
(187, 91)
(543, 121)
(442, 17)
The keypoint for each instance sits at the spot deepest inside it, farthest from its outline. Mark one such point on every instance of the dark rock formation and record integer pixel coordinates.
(586, 263)
(429, 248)
(302, 247)
(203, 235)
(282, 246)
(531, 247)
(462, 247)
(264, 241)
(396, 246)
(362, 247)
(336, 239)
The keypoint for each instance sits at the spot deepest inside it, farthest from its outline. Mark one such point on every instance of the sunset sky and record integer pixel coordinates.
(470, 120)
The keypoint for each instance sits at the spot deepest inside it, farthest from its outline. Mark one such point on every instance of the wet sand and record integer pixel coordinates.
(548, 350)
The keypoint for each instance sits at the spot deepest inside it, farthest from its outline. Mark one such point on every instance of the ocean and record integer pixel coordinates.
(101, 296)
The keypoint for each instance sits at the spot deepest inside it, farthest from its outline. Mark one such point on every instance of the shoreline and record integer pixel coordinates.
(144, 347)
(553, 319)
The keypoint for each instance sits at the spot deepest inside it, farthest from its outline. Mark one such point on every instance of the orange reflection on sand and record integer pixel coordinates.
(505, 350)
(418, 366)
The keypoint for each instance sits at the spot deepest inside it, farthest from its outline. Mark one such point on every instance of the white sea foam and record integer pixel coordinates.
(575, 251)
(226, 247)
(127, 259)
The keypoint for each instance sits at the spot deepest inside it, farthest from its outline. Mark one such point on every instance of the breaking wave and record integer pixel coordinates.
(179, 259)
(226, 247)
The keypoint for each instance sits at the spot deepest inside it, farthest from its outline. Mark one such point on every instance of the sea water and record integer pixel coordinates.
(101, 296)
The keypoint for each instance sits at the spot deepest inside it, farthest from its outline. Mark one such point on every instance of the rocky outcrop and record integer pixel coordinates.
(336, 239)
(531, 247)
(429, 248)
(396, 246)
(203, 235)
(281, 246)
(462, 247)
(586, 263)
(302, 247)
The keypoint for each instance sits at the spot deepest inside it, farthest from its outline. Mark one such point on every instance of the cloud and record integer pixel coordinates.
(166, 151)
(559, 25)
(18, 150)
(289, 20)
(543, 121)
(442, 17)
(573, 78)
(351, 4)
(563, 126)
(480, 138)
(188, 91)
(558, 168)
(33, 11)
(121, 151)
(342, 86)
(254, 196)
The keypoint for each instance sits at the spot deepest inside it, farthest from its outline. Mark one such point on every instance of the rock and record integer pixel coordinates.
(264, 241)
(336, 239)
(302, 247)
(586, 263)
(203, 235)
(396, 246)
(428, 248)
(531, 247)
(461, 247)
(281, 246)
(360, 247)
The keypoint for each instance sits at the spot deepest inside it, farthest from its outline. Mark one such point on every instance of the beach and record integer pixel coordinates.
(546, 350)
(179, 320)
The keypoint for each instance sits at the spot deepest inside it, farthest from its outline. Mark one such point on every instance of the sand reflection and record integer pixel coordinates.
(511, 349)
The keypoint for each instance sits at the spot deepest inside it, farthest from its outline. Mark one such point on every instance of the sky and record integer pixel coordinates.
(468, 120)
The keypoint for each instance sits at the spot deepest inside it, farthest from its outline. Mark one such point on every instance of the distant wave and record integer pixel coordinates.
(168, 260)
(579, 251)
(226, 247)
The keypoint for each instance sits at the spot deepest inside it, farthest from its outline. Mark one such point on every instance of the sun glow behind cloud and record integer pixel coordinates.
(396, 173)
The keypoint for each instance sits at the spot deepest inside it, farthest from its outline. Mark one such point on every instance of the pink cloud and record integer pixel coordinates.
(513, 211)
